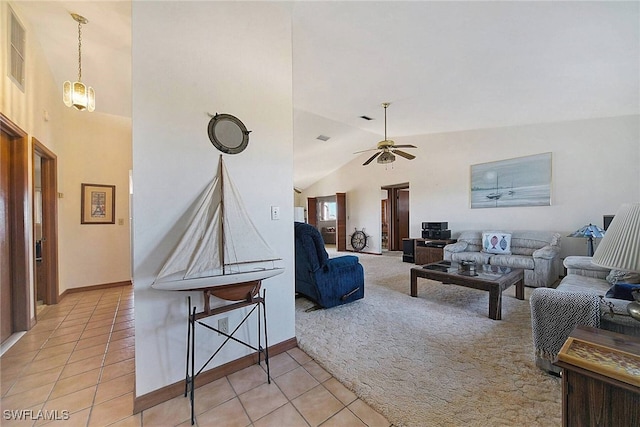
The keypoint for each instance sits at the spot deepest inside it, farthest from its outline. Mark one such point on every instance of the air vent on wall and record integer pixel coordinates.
(17, 52)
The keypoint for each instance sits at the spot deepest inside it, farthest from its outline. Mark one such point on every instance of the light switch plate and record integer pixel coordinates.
(275, 213)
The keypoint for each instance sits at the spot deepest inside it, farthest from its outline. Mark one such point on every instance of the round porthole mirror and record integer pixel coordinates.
(228, 134)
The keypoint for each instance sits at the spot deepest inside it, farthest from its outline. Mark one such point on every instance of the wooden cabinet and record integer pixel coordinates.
(427, 251)
(600, 378)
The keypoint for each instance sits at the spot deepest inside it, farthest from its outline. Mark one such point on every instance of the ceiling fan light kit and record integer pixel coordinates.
(77, 94)
(388, 147)
(386, 157)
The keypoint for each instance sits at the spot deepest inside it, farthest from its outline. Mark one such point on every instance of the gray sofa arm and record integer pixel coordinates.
(453, 248)
(547, 252)
(554, 315)
(456, 247)
(582, 266)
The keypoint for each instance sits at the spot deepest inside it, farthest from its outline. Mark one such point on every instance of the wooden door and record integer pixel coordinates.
(403, 215)
(6, 295)
(384, 215)
(398, 205)
(15, 223)
(312, 211)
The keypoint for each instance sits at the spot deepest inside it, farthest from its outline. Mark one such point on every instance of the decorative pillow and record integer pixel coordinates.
(495, 242)
(622, 291)
(616, 276)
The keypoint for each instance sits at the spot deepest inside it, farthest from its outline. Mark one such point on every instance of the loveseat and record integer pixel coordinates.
(579, 299)
(537, 252)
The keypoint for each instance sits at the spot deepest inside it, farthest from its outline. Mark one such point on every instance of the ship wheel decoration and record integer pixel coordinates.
(358, 240)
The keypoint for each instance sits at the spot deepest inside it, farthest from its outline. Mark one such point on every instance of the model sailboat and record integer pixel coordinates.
(221, 252)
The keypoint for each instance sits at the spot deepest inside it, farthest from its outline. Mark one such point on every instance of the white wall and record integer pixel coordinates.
(95, 149)
(190, 59)
(595, 167)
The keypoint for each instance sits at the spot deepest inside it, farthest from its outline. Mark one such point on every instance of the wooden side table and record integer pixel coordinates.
(600, 378)
(427, 251)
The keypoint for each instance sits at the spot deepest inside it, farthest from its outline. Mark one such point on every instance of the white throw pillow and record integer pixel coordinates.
(496, 242)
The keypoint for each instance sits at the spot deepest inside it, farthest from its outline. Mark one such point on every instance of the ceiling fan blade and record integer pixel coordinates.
(405, 146)
(364, 151)
(403, 154)
(372, 158)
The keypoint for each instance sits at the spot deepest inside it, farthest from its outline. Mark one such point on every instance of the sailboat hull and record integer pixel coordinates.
(202, 283)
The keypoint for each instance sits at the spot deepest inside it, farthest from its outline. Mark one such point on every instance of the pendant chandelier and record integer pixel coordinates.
(77, 94)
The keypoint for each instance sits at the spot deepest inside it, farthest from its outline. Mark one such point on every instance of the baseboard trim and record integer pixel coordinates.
(363, 252)
(170, 391)
(94, 288)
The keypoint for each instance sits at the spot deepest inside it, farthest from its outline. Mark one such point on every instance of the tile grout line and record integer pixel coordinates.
(113, 322)
(74, 348)
(41, 348)
(104, 354)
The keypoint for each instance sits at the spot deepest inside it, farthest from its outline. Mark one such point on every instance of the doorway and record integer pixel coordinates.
(396, 209)
(45, 221)
(340, 228)
(14, 219)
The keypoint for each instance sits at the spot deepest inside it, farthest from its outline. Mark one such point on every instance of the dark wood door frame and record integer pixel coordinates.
(341, 218)
(312, 211)
(20, 223)
(49, 185)
(341, 221)
(395, 239)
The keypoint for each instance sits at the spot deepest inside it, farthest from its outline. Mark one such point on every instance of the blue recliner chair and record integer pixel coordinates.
(326, 281)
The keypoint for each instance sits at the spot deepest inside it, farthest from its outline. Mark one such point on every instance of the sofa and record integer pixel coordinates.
(537, 252)
(326, 281)
(329, 235)
(579, 299)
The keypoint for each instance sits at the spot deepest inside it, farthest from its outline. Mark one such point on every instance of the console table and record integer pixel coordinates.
(600, 378)
(252, 300)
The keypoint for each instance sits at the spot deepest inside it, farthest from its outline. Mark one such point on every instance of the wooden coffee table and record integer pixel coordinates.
(488, 278)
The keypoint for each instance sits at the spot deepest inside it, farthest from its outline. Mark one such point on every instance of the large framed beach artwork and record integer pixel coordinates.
(523, 181)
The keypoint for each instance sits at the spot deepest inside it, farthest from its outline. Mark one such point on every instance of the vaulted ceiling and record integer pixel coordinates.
(443, 66)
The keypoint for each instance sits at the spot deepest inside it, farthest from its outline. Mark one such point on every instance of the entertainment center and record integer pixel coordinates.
(427, 251)
(429, 248)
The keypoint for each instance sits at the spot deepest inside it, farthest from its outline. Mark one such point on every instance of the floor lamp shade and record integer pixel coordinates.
(620, 247)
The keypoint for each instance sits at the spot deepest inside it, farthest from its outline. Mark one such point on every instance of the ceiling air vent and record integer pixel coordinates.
(323, 137)
(366, 117)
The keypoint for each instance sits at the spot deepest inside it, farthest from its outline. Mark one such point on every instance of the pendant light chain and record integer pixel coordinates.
(79, 51)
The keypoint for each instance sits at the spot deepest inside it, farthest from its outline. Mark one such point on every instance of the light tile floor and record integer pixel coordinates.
(76, 368)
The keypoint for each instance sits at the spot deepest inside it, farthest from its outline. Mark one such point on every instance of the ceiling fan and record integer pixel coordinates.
(387, 147)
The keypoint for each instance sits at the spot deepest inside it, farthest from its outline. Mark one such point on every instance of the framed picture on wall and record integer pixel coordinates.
(522, 181)
(98, 204)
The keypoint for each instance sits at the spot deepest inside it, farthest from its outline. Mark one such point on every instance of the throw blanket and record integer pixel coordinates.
(554, 315)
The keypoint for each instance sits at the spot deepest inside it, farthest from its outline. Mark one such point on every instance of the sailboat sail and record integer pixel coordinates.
(221, 244)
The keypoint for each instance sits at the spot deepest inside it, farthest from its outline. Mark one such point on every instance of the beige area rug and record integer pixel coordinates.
(435, 360)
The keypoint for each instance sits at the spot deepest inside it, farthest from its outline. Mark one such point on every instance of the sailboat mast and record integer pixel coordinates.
(222, 242)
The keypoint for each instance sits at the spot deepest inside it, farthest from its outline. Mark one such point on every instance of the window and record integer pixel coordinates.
(327, 211)
(16, 51)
